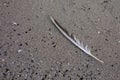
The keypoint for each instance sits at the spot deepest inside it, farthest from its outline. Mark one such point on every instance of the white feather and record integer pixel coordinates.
(74, 40)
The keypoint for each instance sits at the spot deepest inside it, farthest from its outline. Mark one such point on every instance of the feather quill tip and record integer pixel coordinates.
(96, 58)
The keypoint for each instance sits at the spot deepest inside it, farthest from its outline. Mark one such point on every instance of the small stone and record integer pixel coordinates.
(118, 41)
(4, 4)
(13, 62)
(14, 23)
(98, 32)
(3, 59)
(20, 50)
(98, 69)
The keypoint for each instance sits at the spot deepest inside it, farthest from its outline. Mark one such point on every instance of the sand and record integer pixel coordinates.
(31, 48)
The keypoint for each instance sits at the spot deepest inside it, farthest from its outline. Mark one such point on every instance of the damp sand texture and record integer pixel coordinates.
(31, 48)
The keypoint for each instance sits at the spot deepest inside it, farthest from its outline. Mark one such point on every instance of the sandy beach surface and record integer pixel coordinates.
(31, 48)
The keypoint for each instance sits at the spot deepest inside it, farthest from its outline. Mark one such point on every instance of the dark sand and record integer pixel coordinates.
(31, 48)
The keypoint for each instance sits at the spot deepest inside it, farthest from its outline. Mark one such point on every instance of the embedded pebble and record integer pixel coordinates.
(118, 41)
(14, 23)
(3, 59)
(20, 50)
(98, 32)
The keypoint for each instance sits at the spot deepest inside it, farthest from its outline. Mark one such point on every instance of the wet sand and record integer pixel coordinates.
(31, 48)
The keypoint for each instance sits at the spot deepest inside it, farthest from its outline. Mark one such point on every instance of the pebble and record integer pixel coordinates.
(20, 50)
(119, 41)
(14, 23)
(98, 32)
(3, 59)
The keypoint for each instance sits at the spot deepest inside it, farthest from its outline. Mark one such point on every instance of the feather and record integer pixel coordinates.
(73, 39)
